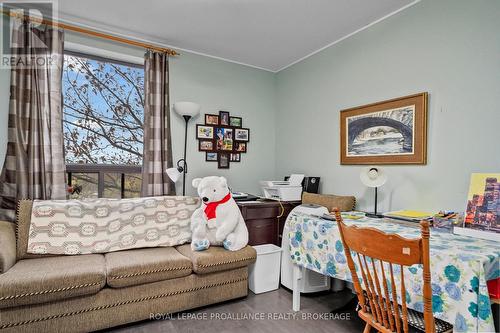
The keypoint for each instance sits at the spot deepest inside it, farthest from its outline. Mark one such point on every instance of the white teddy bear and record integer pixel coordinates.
(218, 220)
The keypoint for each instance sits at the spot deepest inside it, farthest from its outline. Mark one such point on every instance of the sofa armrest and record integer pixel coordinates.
(7, 246)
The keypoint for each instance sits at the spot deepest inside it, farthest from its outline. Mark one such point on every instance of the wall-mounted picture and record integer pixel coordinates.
(223, 162)
(235, 121)
(242, 134)
(388, 132)
(211, 157)
(205, 145)
(483, 202)
(241, 147)
(224, 117)
(211, 119)
(217, 138)
(235, 157)
(204, 132)
(224, 138)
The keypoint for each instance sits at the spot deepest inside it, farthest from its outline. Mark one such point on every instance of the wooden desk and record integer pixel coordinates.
(265, 220)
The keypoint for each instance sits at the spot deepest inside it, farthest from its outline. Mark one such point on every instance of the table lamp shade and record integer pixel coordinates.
(373, 177)
(187, 109)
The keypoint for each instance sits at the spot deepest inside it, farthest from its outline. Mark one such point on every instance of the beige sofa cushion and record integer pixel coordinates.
(133, 267)
(7, 245)
(217, 259)
(34, 281)
(330, 201)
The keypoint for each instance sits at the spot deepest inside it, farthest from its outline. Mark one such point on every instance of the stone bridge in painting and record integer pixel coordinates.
(355, 127)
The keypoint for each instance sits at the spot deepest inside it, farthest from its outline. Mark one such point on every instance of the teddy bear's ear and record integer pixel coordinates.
(223, 181)
(196, 182)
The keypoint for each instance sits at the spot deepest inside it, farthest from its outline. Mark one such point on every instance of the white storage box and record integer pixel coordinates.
(264, 275)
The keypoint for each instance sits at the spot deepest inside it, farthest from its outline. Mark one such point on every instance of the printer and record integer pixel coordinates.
(283, 190)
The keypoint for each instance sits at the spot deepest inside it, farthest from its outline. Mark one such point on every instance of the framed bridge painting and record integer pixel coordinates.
(388, 132)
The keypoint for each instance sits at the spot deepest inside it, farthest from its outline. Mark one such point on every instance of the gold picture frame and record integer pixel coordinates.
(388, 132)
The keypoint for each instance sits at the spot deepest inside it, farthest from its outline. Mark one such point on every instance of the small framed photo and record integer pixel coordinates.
(241, 147)
(235, 121)
(223, 161)
(206, 145)
(211, 157)
(242, 134)
(224, 118)
(204, 132)
(235, 157)
(211, 119)
(224, 138)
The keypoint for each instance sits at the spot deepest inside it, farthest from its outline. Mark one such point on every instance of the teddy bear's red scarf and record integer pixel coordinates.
(212, 206)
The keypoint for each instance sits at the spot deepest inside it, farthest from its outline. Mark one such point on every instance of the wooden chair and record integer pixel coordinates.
(376, 253)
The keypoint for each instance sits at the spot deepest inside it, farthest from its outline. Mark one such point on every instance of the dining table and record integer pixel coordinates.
(460, 265)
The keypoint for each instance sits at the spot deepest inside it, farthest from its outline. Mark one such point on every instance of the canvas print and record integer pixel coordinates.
(483, 202)
(388, 132)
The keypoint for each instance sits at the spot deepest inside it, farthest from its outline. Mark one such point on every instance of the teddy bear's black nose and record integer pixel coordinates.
(205, 199)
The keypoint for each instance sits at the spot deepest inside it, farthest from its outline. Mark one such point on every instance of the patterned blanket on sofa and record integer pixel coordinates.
(107, 225)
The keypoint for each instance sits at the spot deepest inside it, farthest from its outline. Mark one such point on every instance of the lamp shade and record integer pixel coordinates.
(373, 177)
(174, 174)
(187, 109)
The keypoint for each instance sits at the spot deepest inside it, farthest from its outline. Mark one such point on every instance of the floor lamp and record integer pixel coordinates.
(373, 177)
(187, 110)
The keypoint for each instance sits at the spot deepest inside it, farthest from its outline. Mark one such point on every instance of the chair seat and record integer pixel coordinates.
(416, 320)
(41, 280)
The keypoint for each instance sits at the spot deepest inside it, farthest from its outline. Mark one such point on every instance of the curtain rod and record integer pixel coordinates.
(94, 33)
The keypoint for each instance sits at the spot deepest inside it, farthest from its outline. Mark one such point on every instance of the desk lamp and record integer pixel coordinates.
(373, 177)
(187, 110)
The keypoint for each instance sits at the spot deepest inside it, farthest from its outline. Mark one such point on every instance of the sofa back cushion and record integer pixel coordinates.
(107, 225)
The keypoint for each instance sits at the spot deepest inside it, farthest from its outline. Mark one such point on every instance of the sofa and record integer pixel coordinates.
(49, 293)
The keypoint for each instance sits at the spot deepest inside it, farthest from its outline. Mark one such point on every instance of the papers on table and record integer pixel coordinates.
(409, 215)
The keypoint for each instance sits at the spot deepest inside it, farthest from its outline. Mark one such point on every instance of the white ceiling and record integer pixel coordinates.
(268, 34)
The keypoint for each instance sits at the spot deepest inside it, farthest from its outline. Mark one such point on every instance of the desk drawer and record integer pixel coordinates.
(262, 231)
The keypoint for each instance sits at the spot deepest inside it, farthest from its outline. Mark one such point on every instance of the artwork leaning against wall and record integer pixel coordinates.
(103, 126)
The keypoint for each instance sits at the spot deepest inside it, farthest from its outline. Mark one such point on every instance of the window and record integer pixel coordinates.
(103, 109)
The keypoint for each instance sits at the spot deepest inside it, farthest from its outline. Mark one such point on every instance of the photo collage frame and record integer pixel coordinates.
(222, 138)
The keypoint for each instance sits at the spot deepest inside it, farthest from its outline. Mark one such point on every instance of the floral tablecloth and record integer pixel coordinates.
(460, 266)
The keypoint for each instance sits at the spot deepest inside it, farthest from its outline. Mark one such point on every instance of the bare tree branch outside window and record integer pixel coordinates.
(103, 121)
(103, 112)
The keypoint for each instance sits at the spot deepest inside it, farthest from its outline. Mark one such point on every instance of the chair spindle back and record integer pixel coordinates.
(379, 256)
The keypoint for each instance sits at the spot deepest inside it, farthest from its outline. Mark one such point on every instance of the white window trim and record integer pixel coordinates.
(75, 47)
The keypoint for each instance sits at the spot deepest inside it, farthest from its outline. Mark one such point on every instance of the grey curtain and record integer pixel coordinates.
(157, 155)
(34, 165)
